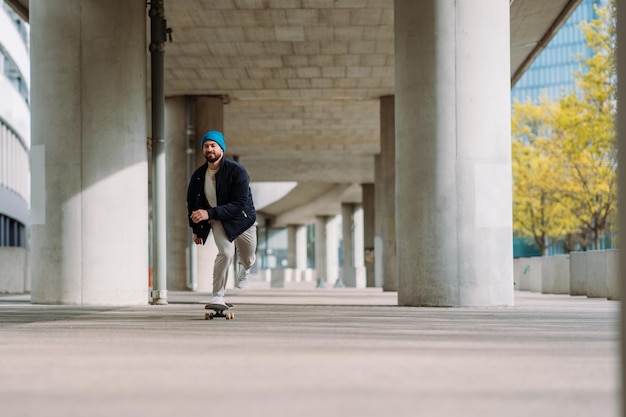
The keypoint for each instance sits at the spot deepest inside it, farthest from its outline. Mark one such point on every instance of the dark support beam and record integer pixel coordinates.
(20, 8)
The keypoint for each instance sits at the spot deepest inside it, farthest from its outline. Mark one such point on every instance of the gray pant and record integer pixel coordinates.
(245, 245)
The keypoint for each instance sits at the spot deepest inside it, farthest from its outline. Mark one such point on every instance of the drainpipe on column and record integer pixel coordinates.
(192, 282)
(158, 35)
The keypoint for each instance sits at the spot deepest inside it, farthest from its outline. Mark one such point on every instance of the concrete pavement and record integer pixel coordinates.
(300, 351)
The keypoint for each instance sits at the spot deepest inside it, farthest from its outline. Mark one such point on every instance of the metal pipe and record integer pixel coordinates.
(192, 282)
(158, 34)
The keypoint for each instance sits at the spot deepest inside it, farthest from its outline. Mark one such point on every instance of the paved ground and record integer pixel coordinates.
(300, 352)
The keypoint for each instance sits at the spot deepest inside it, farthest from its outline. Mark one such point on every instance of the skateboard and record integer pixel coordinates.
(218, 310)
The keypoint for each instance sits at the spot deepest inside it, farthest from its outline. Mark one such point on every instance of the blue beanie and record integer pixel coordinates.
(216, 137)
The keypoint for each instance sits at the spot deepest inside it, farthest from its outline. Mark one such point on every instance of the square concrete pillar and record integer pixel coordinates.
(282, 276)
(277, 278)
(266, 275)
(14, 271)
(555, 274)
(596, 274)
(369, 231)
(307, 275)
(612, 274)
(578, 273)
(385, 190)
(535, 273)
(296, 246)
(521, 268)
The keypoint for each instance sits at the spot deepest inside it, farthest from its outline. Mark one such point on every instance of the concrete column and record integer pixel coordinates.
(359, 255)
(291, 245)
(209, 116)
(296, 247)
(326, 248)
(90, 246)
(379, 248)
(348, 271)
(453, 155)
(369, 217)
(387, 193)
(321, 258)
(178, 245)
(332, 248)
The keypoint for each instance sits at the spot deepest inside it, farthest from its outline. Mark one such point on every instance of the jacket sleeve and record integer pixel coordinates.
(191, 206)
(197, 200)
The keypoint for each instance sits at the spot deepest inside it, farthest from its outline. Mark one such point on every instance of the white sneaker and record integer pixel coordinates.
(242, 278)
(217, 300)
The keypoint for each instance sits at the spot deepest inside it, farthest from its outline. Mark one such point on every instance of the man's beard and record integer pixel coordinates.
(212, 157)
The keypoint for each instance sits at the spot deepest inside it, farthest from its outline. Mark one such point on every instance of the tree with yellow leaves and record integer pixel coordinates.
(538, 213)
(564, 153)
(586, 134)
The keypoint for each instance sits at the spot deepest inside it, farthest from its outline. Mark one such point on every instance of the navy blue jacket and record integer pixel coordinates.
(235, 208)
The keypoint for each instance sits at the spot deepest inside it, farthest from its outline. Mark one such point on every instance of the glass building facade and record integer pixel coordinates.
(551, 74)
(14, 128)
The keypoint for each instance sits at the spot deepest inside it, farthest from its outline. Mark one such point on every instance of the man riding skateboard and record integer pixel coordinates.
(219, 199)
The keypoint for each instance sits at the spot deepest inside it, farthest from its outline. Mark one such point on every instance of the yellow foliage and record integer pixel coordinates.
(564, 153)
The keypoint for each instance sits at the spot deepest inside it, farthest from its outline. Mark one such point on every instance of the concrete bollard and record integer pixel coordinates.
(596, 274)
(578, 273)
(281, 276)
(612, 274)
(14, 273)
(278, 278)
(307, 275)
(361, 277)
(555, 274)
(521, 273)
(267, 275)
(535, 273)
(296, 275)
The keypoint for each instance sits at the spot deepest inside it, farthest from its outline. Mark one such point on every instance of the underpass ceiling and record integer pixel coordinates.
(304, 82)
(304, 78)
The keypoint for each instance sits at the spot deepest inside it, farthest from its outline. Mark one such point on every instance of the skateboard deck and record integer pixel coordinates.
(218, 310)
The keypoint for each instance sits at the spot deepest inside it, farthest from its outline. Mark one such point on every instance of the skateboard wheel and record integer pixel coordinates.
(208, 316)
(230, 316)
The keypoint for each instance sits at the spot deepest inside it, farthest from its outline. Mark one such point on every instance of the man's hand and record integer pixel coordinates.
(196, 239)
(199, 215)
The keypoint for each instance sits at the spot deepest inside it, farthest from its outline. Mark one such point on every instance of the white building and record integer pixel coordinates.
(14, 129)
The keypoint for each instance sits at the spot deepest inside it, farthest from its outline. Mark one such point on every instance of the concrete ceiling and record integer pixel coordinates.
(304, 79)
